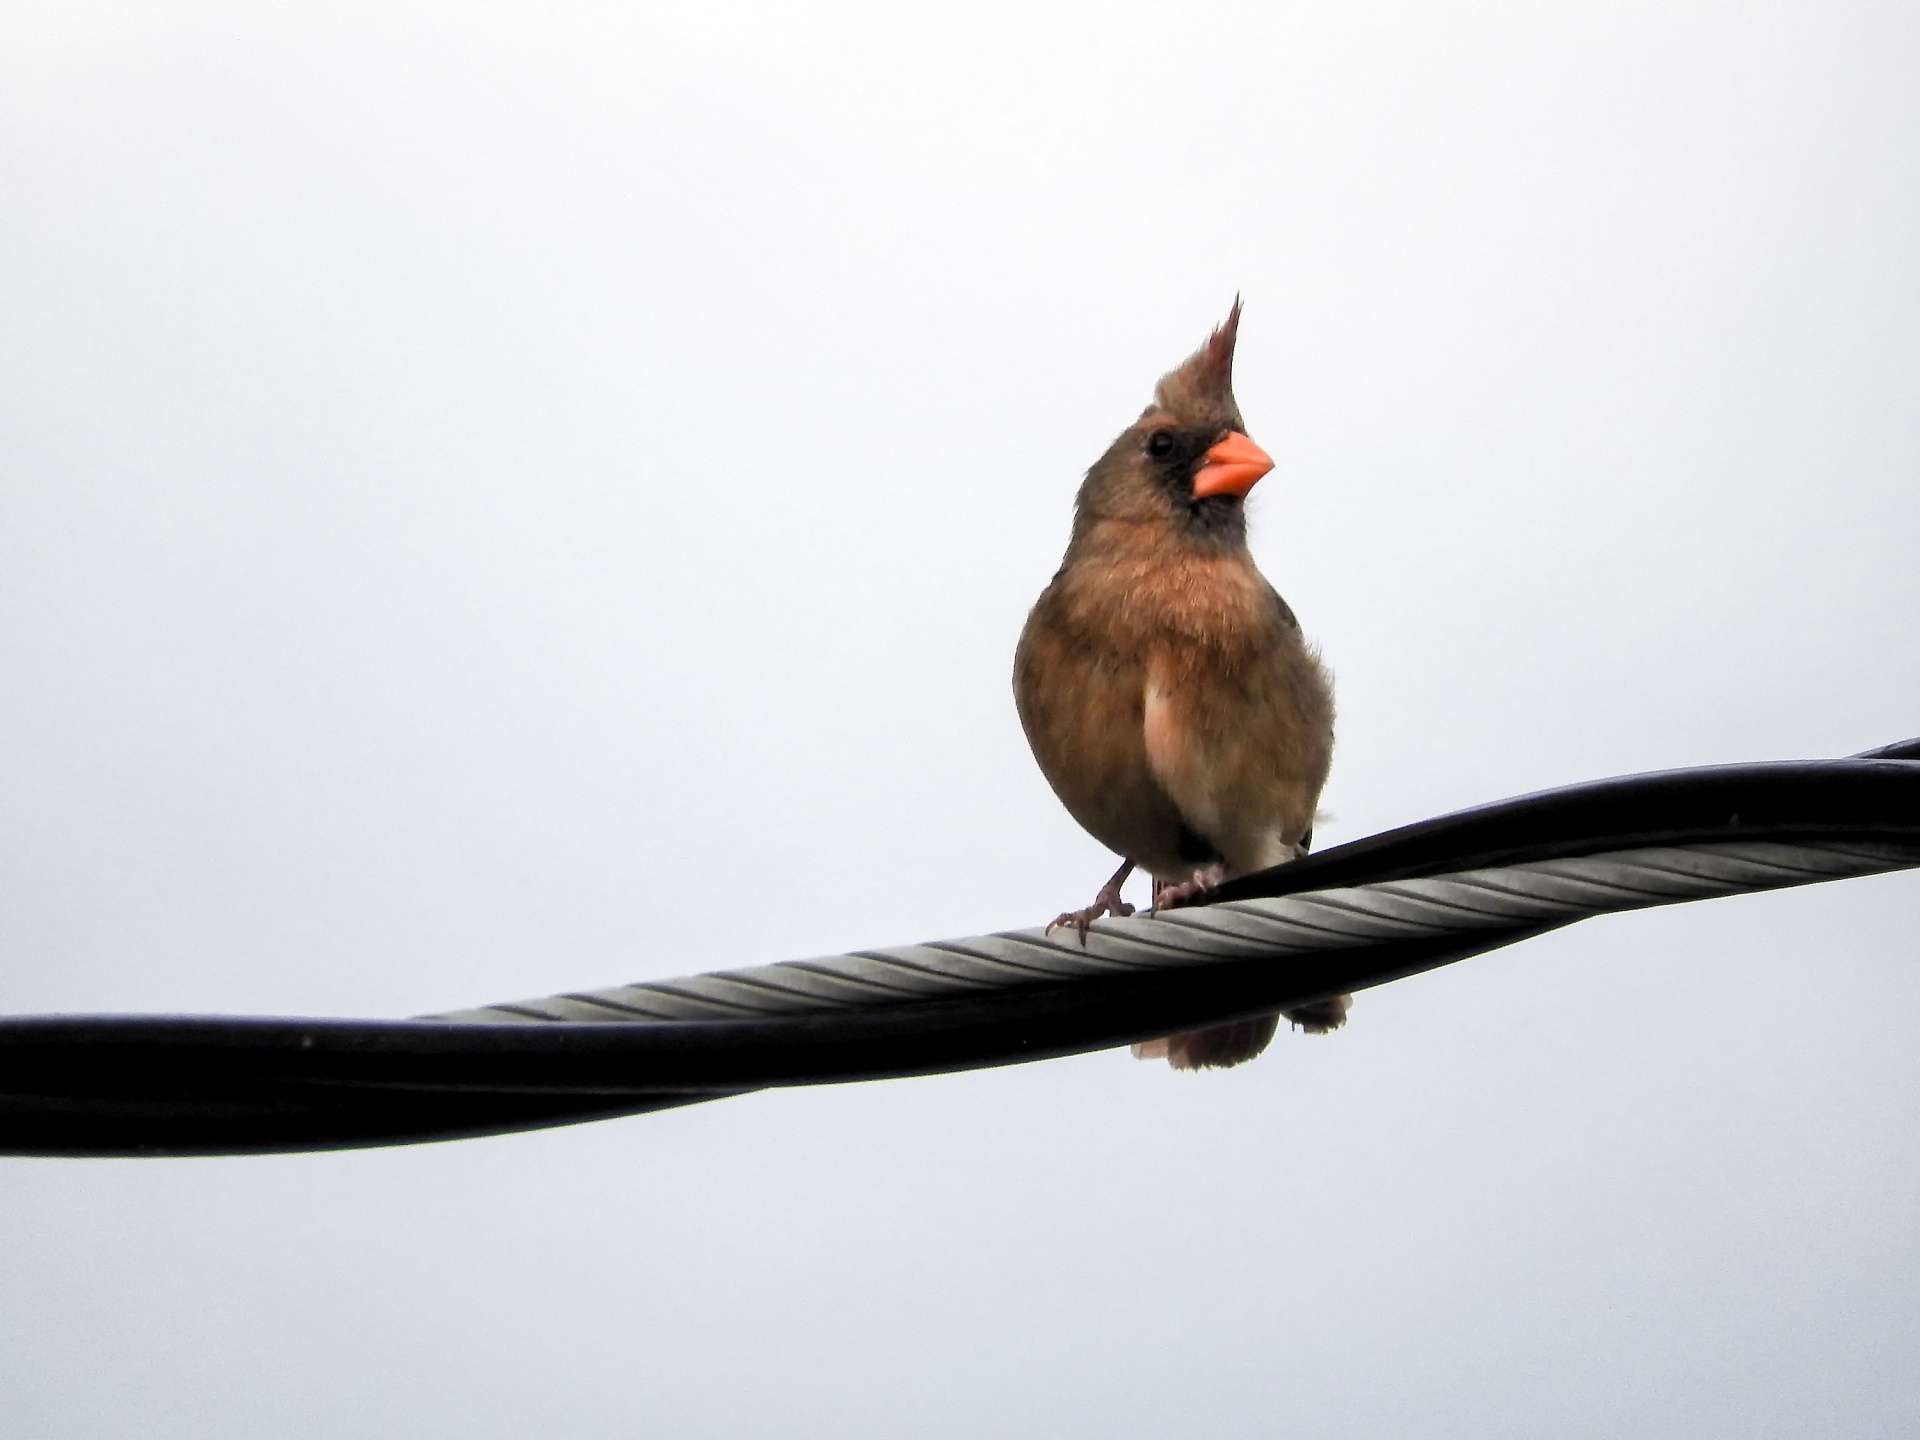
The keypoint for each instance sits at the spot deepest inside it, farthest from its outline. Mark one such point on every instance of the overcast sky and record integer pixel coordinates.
(497, 500)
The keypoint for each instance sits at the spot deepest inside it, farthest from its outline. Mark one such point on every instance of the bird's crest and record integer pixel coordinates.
(1204, 382)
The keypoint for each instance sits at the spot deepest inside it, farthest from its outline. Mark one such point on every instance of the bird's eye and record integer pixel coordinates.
(1160, 444)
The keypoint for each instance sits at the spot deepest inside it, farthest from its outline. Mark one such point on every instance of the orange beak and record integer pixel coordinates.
(1233, 467)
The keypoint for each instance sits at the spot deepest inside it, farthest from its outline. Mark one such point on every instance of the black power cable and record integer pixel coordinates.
(1355, 916)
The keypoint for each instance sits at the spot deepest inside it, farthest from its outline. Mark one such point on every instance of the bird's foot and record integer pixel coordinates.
(1170, 894)
(1107, 902)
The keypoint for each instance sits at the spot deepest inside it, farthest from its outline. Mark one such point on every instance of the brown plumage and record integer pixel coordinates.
(1164, 685)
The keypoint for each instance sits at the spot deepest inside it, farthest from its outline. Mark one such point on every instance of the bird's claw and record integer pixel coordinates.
(1171, 894)
(1107, 902)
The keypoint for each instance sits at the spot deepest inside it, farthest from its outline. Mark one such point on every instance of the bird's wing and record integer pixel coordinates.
(1081, 704)
(1241, 747)
(1285, 610)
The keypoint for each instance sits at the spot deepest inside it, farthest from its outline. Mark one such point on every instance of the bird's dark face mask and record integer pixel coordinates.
(1206, 473)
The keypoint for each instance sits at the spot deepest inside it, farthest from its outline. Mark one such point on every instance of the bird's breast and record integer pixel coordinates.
(1138, 602)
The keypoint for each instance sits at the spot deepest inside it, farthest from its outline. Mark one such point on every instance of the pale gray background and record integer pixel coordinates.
(504, 499)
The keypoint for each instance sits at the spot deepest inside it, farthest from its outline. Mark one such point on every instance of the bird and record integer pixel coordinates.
(1166, 689)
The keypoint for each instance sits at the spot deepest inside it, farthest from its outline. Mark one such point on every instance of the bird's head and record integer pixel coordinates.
(1187, 460)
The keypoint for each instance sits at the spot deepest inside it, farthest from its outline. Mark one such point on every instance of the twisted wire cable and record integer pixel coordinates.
(1523, 897)
(1360, 915)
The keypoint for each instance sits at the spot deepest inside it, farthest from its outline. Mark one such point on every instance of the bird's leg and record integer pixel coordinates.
(1169, 894)
(1107, 902)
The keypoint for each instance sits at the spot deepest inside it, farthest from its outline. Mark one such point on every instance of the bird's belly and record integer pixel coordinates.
(1163, 732)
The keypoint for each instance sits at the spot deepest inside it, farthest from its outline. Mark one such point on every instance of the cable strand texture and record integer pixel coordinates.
(1510, 897)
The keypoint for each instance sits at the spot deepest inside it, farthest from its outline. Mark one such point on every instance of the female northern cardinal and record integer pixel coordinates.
(1163, 683)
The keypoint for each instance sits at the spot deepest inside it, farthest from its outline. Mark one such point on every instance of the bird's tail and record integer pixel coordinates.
(1322, 1017)
(1218, 1046)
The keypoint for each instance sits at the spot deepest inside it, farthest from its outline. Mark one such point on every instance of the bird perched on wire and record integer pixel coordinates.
(1165, 686)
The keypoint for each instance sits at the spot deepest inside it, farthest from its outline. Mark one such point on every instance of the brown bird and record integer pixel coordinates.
(1164, 685)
